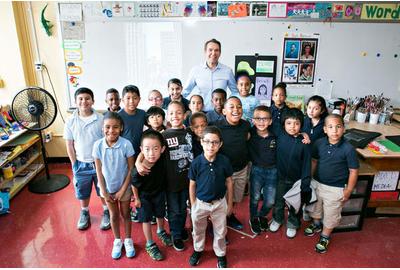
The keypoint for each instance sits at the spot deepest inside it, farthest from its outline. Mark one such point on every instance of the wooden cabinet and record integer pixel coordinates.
(22, 153)
(354, 210)
(389, 161)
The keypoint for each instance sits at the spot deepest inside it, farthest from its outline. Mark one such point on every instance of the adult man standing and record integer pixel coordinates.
(211, 75)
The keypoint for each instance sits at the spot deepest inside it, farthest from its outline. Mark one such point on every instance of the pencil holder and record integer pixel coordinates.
(373, 118)
(361, 117)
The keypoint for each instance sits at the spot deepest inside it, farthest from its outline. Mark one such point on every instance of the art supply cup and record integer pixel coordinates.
(382, 118)
(7, 171)
(373, 118)
(361, 117)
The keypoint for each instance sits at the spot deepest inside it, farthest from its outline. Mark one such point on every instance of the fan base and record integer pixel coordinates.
(44, 185)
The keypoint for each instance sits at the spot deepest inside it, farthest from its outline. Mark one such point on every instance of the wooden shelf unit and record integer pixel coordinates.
(389, 161)
(34, 164)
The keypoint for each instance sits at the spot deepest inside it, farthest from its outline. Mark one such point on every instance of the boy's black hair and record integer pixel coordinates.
(212, 41)
(84, 90)
(242, 73)
(263, 108)
(130, 89)
(177, 103)
(154, 110)
(232, 97)
(197, 115)
(213, 130)
(175, 81)
(112, 91)
(202, 100)
(322, 104)
(152, 134)
(292, 113)
(281, 85)
(219, 91)
(114, 115)
(335, 116)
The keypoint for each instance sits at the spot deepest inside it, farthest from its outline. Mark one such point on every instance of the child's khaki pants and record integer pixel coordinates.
(216, 210)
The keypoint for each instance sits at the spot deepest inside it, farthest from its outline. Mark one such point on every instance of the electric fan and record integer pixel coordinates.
(35, 109)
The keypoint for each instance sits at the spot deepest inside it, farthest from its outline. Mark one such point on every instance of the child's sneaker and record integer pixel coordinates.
(134, 216)
(264, 224)
(274, 226)
(117, 249)
(84, 220)
(129, 248)
(165, 238)
(105, 220)
(195, 258)
(153, 220)
(312, 229)
(233, 222)
(322, 245)
(185, 235)
(222, 263)
(154, 252)
(255, 225)
(178, 245)
(291, 233)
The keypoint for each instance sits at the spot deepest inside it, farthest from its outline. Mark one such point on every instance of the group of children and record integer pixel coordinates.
(204, 161)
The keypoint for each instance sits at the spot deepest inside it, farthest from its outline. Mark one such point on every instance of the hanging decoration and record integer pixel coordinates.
(47, 25)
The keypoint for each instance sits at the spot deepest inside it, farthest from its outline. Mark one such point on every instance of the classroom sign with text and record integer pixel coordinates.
(381, 12)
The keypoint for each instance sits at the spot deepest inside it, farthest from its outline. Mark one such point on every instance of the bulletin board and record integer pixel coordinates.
(262, 73)
(103, 53)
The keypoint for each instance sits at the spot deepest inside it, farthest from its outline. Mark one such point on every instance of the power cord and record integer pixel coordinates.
(54, 92)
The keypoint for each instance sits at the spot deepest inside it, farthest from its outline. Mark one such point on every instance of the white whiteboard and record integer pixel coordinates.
(347, 56)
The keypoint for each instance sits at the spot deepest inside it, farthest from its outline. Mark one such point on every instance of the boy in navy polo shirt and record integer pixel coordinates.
(235, 133)
(210, 178)
(293, 163)
(263, 176)
(278, 107)
(335, 167)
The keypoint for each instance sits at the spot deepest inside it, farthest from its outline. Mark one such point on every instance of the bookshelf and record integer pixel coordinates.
(22, 151)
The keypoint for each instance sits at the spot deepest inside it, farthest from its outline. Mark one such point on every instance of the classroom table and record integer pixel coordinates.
(389, 161)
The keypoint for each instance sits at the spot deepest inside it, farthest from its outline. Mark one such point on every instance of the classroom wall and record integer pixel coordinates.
(11, 71)
(340, 57)
(51, 55)
(50, 50)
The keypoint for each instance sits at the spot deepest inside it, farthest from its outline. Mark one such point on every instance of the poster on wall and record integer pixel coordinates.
(262, 73)
(299, 59)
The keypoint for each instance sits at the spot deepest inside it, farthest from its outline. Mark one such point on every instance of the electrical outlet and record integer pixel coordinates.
(48, 136)
(38, 66)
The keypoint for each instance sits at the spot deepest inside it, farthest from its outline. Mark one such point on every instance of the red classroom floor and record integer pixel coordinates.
(41, 232)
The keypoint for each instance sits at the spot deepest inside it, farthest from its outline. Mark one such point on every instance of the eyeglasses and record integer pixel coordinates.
(263, 119)
(155, 99)
(213, 143)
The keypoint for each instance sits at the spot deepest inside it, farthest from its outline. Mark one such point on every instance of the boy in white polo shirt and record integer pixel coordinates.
(81, 130)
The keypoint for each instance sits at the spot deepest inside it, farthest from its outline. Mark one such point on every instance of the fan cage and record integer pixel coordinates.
(34, 108)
